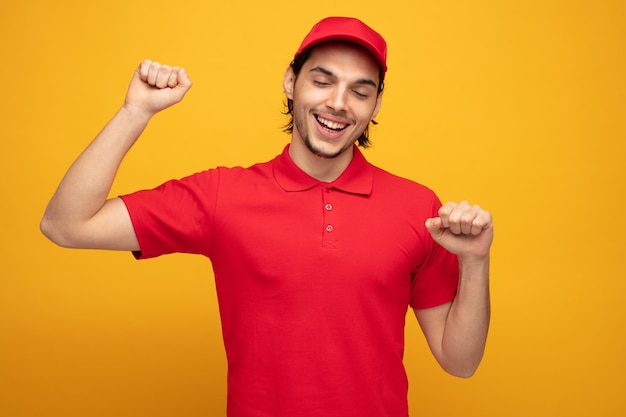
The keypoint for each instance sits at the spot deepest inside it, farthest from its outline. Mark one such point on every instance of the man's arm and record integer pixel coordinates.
(79, 214)
(457, 332)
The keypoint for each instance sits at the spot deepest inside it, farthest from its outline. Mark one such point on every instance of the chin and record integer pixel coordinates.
(326, 153)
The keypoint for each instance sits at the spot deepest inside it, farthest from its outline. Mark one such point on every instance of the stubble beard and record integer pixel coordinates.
(300, 125)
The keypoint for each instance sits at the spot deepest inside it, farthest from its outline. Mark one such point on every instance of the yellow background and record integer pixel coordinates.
(517, 106)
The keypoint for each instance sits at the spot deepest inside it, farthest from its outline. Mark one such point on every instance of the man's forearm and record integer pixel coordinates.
(467, 323)
(86, 185)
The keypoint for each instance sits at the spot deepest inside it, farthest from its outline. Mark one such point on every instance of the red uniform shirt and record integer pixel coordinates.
(313, 279)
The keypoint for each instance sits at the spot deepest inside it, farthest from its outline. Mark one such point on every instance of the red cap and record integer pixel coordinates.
(350, 30)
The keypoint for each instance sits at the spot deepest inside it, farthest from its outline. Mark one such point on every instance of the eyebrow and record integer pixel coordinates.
(362, 81)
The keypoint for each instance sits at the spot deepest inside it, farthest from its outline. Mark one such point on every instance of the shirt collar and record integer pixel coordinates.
(356, 179)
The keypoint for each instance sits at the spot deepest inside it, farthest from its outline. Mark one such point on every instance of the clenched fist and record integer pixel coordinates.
(155, 87)
(463, 229)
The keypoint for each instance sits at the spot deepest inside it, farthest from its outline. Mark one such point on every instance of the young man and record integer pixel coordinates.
(317, 254)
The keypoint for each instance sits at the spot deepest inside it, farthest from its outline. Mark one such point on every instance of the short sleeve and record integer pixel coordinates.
(435, 280)
(174, 217)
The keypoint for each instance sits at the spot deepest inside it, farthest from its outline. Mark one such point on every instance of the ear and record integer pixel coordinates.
(288, 83)
(379, 102)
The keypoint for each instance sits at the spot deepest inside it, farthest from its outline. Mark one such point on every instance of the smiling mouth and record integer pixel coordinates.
(333, 126)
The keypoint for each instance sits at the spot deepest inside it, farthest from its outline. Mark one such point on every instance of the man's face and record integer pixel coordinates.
(335, 97)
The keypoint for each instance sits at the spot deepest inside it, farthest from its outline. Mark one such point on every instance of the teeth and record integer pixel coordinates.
(331, 125)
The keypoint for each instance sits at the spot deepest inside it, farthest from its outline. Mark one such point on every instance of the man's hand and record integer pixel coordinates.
(155, 87)
(457, 331)
(463, 229)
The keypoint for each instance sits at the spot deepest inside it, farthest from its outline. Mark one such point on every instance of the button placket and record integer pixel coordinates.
(329, 225)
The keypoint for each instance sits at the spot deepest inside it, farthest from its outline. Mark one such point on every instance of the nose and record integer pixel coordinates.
(337, 99)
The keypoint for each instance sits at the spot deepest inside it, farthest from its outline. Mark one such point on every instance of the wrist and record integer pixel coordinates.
(136, 112)
(474, 265)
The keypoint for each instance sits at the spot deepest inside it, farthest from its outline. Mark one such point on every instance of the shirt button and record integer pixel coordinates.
(328, 207)
(329, 228)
